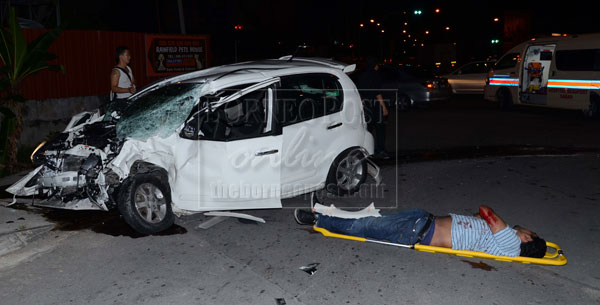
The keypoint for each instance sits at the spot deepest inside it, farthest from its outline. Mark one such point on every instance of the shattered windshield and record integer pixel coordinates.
(158, 112)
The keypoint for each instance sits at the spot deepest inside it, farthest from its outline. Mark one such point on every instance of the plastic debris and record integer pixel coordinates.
(310, 268)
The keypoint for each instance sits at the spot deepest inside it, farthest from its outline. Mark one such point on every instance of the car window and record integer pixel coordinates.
(478, 67)
(243, 118)
(578, 60)
(508, 61)
(307, 96)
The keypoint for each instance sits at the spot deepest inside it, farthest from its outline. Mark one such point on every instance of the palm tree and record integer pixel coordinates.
(19, 61)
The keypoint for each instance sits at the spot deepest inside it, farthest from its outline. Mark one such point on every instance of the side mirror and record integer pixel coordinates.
(191, 129)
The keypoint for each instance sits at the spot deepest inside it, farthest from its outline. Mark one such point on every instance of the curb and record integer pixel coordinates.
(13, 241)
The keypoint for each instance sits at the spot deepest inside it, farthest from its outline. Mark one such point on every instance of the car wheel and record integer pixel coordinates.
(347, 173)
(403, 103)
(504, 98)
(146, 204)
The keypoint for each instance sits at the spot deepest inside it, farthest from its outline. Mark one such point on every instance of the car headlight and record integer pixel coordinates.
(36, 149)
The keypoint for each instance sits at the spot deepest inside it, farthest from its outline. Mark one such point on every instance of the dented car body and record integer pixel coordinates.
(240, 136)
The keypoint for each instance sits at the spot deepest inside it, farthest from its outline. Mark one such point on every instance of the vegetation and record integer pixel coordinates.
(19, 60)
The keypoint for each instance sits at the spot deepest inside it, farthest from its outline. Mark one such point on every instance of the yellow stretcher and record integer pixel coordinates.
(556, 257)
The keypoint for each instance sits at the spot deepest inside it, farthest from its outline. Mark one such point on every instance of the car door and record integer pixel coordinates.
(470, 78)
(309, 109)
(235, 153)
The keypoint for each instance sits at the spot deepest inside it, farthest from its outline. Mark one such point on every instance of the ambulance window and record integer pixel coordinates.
(578, 60)
(508, 61)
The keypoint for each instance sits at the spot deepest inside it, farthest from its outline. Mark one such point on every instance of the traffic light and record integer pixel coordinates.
(418, 12)
(494, 41)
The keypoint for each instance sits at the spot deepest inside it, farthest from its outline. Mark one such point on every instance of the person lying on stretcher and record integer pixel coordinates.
(484, 232)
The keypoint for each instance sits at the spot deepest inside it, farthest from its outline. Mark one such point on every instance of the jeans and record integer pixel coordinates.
(400, 227)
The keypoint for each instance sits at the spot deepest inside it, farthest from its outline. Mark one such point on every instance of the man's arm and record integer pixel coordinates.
(494, 221)
(114, 82)
(379, 98)
(507, 241)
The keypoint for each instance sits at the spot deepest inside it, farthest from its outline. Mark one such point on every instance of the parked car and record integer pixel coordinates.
(407, 86)
(240, 136)
(469, 78)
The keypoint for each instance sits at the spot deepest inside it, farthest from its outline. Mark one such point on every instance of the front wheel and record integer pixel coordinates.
(347, 173)
(403, 103)
(146, 204)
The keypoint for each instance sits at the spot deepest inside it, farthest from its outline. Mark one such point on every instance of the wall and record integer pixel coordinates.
(88, 57)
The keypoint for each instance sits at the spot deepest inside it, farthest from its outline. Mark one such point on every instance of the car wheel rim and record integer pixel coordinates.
(349, 171)
(150, 203)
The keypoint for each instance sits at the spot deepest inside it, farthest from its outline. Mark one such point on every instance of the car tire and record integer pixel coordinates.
(145, 204)
(505, 99)
(347, 173)
(403, 102)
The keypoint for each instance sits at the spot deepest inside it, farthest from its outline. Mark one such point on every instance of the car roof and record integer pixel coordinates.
(254, 71)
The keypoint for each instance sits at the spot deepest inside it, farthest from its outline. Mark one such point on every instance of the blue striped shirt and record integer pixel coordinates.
(472, 233)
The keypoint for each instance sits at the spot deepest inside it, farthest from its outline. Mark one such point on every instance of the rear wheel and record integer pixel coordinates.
(347, 173)
(504, 98)
(403, 103)
(146, 204)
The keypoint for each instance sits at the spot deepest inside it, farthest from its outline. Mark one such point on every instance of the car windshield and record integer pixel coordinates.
(158, 112)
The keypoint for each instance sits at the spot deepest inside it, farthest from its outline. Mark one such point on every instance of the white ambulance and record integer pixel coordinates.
(556, 72)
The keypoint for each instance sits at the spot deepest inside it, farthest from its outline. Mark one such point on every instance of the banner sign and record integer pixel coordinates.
(175, 54)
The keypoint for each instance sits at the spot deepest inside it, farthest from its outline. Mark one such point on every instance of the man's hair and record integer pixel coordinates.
(119, 52)
(535, 248)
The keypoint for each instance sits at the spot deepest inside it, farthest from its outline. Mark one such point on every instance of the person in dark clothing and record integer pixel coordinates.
(369, 86)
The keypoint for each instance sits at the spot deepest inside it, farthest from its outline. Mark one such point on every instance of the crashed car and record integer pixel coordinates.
(240, 136)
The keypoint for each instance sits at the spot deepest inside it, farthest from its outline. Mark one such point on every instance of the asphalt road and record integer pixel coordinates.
(467, 122)
(94, 258)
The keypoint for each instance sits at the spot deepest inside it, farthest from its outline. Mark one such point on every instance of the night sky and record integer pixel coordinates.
(275, 28)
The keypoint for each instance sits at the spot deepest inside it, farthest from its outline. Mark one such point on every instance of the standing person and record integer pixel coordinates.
(122, 83)
(369, 86)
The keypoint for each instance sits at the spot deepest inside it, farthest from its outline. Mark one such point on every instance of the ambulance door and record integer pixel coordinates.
(536, 71)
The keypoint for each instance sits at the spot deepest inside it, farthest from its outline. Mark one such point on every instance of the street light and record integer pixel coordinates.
(447, 28)
(372, 20)
(437, 10)
(496, 19)
(426, 32)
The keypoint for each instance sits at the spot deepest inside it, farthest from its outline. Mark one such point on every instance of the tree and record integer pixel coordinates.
(19, 61)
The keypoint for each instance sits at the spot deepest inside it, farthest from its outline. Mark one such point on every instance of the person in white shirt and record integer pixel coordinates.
(122, 83)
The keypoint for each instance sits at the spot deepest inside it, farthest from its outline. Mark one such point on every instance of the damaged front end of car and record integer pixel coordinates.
(71, 168)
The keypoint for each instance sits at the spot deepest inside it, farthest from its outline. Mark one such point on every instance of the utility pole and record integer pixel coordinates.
(181, 18)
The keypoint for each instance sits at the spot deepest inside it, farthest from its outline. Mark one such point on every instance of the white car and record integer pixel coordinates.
(239, 136)
(470, 78)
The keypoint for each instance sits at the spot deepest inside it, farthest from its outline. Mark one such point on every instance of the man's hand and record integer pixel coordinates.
(132, 90)
(525, 235)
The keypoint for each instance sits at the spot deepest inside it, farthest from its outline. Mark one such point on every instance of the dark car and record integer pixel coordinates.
(408, 86)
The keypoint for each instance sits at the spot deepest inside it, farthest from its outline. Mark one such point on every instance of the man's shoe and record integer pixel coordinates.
(304, 217)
